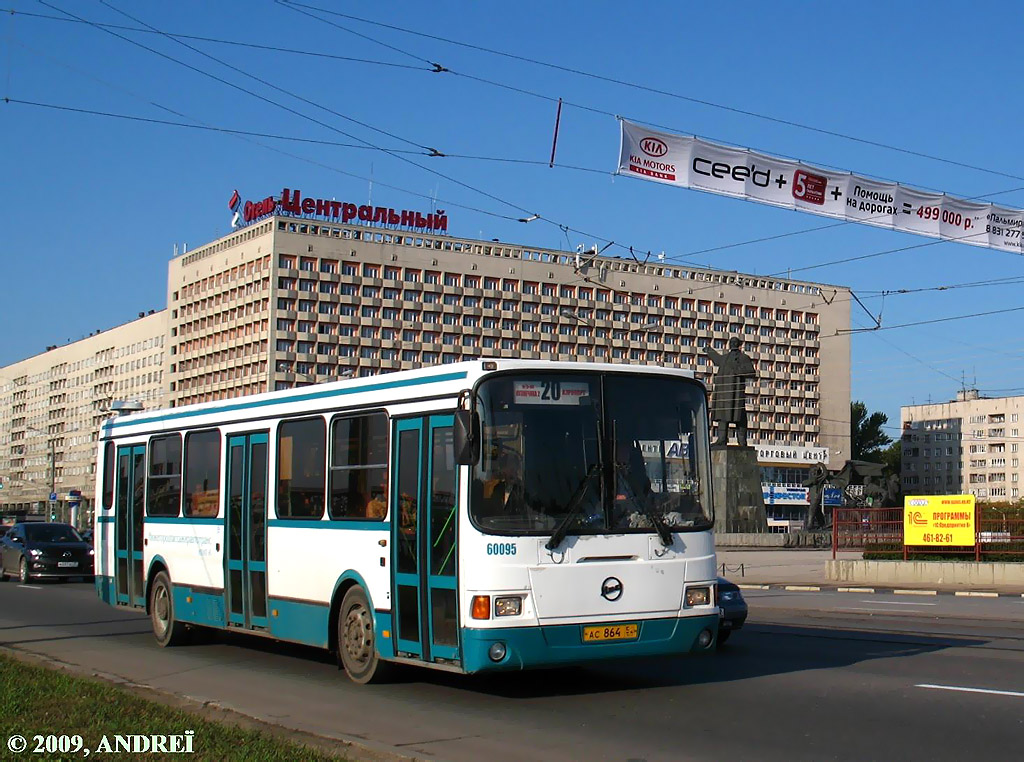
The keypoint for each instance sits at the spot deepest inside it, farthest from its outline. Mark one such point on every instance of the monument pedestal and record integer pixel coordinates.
(736, 486)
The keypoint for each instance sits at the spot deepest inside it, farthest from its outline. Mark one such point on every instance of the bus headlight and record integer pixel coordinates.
(497, 651)
(511, 606)
(698, 596)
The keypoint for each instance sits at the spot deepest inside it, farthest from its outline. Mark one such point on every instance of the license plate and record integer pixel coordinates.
(67, 564)
(610, 632)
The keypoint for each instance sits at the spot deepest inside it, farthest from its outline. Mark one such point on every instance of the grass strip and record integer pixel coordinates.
(37, 701)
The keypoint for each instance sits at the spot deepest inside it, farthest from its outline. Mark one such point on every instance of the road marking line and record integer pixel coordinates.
(875, 611)
(30, 587)
(856, 590)
(915, 592)
(899, 603)
(753, 587)
(974, 594)
(804, 588)
(1015, 694)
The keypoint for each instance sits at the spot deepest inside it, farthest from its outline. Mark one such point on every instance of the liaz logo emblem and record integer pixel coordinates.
(917, 518)
(653, 147)
(611, 589)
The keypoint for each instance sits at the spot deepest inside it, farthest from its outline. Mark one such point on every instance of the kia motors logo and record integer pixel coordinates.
(611, 589)
(653, 147)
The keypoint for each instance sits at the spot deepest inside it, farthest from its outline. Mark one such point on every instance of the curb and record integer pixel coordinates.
(880, 591)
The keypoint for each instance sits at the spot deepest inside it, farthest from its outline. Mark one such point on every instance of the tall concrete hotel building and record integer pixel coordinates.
(307, 290)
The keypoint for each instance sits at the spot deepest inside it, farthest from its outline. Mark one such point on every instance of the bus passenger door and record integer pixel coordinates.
(129, 511)
(245, 533)
(424, 539)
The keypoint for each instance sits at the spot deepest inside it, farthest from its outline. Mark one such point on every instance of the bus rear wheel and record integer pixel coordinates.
(166, 630)
(357, 646)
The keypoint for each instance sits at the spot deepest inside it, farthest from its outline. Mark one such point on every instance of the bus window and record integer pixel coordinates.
(202, 474)
(359, 470)
(163, 496)
(301, 450)
(108, 475)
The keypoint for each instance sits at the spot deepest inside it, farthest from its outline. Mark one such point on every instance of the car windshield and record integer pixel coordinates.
(604, 453)
(51, 533)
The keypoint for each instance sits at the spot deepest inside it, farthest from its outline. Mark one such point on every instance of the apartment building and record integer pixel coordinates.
(52, 404)
(971, 445)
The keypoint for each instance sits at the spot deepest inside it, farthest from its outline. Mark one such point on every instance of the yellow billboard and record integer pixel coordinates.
(938, 520)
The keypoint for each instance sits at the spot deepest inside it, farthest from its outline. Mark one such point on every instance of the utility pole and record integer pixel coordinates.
(53, 477)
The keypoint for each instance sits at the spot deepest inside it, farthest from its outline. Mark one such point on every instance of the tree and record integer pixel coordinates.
(866, 436)
(892, 457)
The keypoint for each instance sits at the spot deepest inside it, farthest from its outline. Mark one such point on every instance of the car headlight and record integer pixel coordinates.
(92, 552)
(35, 552)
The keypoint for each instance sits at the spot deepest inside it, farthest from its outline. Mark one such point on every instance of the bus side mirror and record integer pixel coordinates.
(467, 437)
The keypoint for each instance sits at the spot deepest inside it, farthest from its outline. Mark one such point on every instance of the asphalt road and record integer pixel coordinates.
(813, 676)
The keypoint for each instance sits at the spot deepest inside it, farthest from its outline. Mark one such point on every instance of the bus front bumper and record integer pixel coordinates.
(562, 645)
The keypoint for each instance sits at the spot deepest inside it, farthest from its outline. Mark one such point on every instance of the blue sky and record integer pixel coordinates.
(95, 205)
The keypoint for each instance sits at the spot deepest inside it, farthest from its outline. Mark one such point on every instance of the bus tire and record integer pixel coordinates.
(357, 646)
(166, 630)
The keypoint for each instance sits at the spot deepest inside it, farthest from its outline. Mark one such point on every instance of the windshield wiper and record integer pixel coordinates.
(663, 531)
(571, 507)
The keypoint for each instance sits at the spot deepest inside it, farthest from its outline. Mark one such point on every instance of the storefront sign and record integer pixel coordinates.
(776, 494)
(795, 454)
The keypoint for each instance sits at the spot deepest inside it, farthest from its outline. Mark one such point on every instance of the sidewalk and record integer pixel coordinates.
(806, 568)
(776, 567)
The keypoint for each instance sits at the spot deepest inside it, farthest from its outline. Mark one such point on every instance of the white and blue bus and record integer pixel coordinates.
(485, 515)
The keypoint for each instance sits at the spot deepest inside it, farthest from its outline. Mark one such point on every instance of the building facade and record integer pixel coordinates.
(971, 445)
(289, 301)
(52, 404)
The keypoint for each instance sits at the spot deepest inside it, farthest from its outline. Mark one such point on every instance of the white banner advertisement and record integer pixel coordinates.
(693, 163)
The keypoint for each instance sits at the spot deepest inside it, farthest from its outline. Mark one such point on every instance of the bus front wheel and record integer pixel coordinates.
(166, 629)
(357, 647)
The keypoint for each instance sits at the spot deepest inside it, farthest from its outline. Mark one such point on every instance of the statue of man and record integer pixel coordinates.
(729, 401)
(816, 480)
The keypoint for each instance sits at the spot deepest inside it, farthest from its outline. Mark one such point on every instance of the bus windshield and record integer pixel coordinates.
(600, 452)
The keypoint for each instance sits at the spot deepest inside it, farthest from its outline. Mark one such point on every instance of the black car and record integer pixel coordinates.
(43, 550)
(733, 608)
